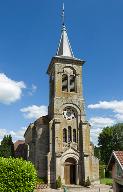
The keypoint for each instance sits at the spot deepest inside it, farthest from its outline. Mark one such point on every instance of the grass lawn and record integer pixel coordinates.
(106, 181)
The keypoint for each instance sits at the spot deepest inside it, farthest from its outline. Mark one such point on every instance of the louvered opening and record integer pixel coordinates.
(69, 134)
(74, 135)
(64, 82)
(72, 83)
(65, 135)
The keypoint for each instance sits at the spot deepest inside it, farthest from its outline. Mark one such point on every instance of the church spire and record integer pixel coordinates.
(64, 48)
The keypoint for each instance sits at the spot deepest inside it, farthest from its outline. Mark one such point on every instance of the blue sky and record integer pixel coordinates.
(29, 36)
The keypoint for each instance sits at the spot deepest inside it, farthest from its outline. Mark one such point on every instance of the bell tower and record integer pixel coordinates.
(59, 143)
(69, 132)
(65, 76)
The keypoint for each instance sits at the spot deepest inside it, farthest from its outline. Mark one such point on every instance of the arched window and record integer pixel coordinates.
(72, 83)
(64, 82)
(65, 135)
(69, 134)
(74, 135)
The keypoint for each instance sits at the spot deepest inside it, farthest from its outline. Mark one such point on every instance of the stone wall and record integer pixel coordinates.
(37, 138)
(94, 168)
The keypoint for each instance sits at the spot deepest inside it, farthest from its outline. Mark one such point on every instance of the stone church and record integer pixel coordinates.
(59, 143)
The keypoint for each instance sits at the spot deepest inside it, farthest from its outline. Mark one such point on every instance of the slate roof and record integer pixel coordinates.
(44, 120)
(64, 48)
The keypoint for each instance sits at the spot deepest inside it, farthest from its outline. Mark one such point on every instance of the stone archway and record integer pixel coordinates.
(70, 171)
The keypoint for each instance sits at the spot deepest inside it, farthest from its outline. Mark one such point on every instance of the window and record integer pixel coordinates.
(69, 113)
(69, 134)
(72, 83)
(65, 135)
(51, 86)
(64, 82)
(118, 170)
(74, 135)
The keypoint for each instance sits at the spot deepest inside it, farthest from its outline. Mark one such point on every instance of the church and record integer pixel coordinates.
(59, 143)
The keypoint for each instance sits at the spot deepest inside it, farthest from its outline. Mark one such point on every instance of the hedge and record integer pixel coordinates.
(17, 175)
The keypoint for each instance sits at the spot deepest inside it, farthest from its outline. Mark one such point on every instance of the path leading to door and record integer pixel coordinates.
(95, 188)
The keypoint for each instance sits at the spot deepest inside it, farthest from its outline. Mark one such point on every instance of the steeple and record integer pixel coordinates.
(64, 48)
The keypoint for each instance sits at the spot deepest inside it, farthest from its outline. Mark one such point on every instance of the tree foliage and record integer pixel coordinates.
(111, 138)
(97, 152)
(7, 147)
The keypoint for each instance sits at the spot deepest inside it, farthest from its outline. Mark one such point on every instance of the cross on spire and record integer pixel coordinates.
(63, 18)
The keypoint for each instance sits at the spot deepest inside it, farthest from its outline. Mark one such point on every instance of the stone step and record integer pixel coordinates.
(73, 186)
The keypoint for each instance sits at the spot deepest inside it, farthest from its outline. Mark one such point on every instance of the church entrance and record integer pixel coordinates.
(70, 171)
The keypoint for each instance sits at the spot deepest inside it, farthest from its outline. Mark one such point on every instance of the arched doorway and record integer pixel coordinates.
(70, 171)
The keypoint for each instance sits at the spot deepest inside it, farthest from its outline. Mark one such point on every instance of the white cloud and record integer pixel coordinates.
(116, 106)
(16, 135)
(34, 111)
(3, 132)
(10, 90)
(94, 134)
(119, 117)
(100, 122)
(32, 90)
(34, 87)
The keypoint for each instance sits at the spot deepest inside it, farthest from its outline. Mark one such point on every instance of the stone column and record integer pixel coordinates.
(48, 168)
(57, 148)
(57, 135)
(77, 175)
(58, 166)
(62, 174)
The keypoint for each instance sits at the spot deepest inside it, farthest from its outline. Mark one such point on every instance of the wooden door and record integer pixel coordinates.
(67, 174)
(72, 174)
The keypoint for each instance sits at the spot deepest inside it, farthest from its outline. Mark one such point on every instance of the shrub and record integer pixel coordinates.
(58, 182)
(42, 180)
(87, 182)
(17, 175)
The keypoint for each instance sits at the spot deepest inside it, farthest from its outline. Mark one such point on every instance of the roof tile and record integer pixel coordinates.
(119, 155)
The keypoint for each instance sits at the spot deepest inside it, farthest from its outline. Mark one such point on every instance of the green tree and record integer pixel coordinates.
(97, 152)
(111, 138)
(7, 147)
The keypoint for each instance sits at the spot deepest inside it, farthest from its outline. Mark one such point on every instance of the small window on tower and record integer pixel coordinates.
(65, 135)
(74, 135)
(72, 83)
(52, 86)
(69, 134)
(64, 82)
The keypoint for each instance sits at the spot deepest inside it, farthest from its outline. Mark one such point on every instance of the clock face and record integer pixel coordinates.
(69, 114)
